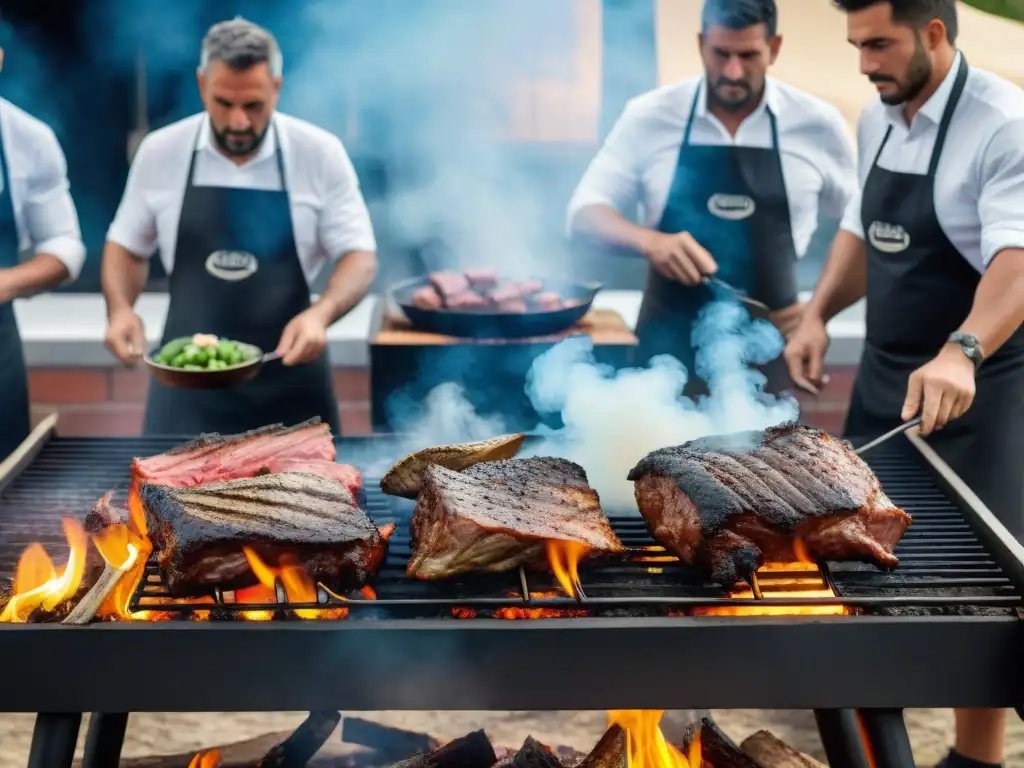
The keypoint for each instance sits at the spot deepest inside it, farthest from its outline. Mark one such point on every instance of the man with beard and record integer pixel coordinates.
(731, 169)
(935, 242)
(245, 205)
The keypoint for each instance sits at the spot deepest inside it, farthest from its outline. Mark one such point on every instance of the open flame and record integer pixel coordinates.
(800, 580)
(647, 745)
(208, 759)
(38, 585)
(564, 558)
(298, 587)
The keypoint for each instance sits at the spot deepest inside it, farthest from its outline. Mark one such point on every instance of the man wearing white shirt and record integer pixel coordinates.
(731, 170)
(36, 215)
(935, 243)
(246, 206)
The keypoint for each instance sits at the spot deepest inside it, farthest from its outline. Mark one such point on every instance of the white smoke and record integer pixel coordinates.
(612, 419)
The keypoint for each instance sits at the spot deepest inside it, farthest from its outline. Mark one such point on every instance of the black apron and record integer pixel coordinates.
(14, 402)
(732, 200)
(919, 290)
(237, 274)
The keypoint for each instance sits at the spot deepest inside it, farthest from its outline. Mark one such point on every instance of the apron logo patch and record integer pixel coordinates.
(231, 265)
(888, 238)
(732, 207)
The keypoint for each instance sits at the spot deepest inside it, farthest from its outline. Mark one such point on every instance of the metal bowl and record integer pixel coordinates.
(489, 324)
(225, 377)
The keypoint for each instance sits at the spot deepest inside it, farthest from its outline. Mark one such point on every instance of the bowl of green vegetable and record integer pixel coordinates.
(204, 361)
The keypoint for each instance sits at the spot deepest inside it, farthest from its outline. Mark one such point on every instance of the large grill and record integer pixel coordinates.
(942, 630)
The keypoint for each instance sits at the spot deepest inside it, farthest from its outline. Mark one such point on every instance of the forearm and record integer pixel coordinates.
(41, 272)
(123, 277)
(844, 279)
(350, 282)
(998, 309)
(607, 224)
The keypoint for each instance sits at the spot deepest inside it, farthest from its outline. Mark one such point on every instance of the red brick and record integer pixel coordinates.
(128, 386)
(106, 419)
(355, 418)
(68, 385)
(352, 384)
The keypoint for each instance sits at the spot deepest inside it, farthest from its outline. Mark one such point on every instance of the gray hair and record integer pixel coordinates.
(241, 44)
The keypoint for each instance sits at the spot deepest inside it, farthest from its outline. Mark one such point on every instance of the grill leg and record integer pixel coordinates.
(840, 737)
(105, 739)
(54, 739)
(886, 734)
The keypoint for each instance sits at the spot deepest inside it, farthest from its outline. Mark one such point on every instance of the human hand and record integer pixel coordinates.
(942, 390)
(805, 352)
(787, 319)
(125, 337)
(679, 257)
(303, 339)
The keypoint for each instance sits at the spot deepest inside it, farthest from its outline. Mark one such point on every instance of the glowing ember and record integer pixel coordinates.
(298, 587)
(564, 559)
(647, 745)
(811, 585)
(37, 585)
(208, 759)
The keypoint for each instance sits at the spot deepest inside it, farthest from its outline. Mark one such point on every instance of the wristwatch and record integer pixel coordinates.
(970, 346)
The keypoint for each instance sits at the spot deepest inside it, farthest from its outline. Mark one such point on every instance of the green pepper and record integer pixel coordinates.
(171, 350)
(191, 367)
(216, 365)
(179, 360)
(226, 350)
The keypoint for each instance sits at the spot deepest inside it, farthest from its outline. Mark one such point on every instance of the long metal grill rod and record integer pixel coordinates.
(890, 434)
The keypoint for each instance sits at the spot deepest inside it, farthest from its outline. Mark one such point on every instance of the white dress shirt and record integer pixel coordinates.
(329, 215)
(44, 213)
(979, 182)
(638, 160)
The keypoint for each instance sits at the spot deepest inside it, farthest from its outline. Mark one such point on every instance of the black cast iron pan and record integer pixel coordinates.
(489, 323)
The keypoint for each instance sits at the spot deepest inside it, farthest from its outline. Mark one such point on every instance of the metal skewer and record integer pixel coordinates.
(891, 433)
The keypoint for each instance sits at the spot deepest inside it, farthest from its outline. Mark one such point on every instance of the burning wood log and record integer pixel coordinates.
(533, 754)
(87, 608)
(389, 743)
(717, 749)
(472, 751)
(612, 751)
(770, 752)
(299, 748)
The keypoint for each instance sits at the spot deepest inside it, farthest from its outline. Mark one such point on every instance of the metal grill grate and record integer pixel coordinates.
(944, 566)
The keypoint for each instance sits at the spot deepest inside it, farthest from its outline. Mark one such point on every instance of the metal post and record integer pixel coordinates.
(887, 739)
(840, 736)
(104, 740)
(54, 739)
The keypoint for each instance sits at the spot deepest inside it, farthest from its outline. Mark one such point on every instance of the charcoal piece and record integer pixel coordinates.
(533, 754)
(471, 751)
(610, 752)
(299, 748)
(389, 743)
(716, 748)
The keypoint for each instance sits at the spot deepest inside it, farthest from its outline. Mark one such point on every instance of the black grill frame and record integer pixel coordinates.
(571, 663)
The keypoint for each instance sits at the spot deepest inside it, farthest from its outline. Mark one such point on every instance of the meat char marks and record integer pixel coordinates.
(733, 502)
(199, 532)
(212, 458)
(498, 515)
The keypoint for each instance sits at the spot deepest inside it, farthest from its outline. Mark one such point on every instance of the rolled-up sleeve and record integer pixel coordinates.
(851, 221)
(612, 178)
(1001, 195)
(50, 217)
(134, 224)
(344, 224)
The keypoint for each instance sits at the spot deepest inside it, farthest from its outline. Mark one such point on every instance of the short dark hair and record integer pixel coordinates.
(912, 13)
(740, 14)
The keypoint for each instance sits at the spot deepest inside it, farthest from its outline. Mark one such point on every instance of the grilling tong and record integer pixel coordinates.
(891, 433)
(756, 308)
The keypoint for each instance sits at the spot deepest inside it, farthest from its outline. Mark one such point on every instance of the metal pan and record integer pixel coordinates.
(489, 324)
(225, 377)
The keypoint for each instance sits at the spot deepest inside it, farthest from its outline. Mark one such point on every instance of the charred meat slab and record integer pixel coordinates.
(733, 502)
(212, 458)
(199, 533)
(406, 477)
(498, 515)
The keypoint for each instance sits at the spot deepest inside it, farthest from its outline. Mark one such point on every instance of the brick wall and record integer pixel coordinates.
(110, 401)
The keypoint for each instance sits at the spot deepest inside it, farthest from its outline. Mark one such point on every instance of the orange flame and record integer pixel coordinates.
(564, 558)
(298, 586)
(37, 583)
(207, 759)
(647, 745)
(811, 585)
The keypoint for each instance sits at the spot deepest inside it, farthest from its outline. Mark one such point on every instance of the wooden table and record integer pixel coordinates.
(405, 364)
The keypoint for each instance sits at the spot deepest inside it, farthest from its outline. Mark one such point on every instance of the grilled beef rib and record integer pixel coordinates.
(732, 502)
(199, 533)
(498, 515)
